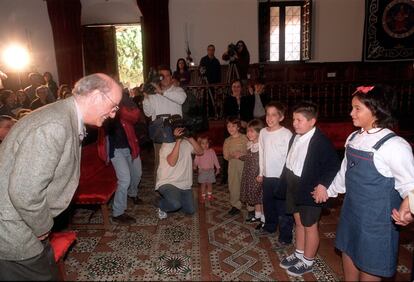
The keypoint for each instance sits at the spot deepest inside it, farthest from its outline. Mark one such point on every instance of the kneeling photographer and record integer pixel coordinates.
(161, 100)
(175, 172)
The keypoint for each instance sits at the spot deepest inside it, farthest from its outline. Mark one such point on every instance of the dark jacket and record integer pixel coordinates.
(248, 105)
(320, 167)
(231, 108)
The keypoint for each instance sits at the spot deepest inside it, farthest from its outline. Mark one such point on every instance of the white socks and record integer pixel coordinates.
(299, 254)
(308, 261)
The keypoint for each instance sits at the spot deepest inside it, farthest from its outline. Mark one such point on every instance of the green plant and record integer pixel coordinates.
(129, 49)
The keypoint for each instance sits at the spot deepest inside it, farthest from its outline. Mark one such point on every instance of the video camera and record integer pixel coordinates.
(153, 77)
(176, 121)
(232, 51)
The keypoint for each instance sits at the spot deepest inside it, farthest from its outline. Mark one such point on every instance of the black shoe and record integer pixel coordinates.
(234, 211)
(260, 226)
(250, 215)
(136, 200)
(124, 219)
(252, 220)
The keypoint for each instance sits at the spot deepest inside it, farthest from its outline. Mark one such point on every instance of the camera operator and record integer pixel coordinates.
(175, 174)
(211, 65)
(241, 58)
(167, 100)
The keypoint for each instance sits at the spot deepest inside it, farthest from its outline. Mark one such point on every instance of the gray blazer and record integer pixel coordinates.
(39, 173)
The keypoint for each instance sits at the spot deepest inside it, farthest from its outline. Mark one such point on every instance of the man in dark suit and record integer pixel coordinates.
(39, 173)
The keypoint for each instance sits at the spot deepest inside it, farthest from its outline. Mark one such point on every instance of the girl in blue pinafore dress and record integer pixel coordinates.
(376, 173)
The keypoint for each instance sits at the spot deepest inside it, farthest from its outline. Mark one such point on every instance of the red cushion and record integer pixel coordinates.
(337, 132)
(60, 242)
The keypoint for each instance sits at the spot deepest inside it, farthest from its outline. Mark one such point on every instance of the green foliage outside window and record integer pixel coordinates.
(129, 49)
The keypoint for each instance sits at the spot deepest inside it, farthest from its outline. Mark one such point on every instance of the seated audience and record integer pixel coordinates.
(22, 100)
(51, 84)
(22, 112)
(175, 174)
(36, 80)
(182, 75)
(7, 102)
(6, 123)
(42, 93)
(63, 88)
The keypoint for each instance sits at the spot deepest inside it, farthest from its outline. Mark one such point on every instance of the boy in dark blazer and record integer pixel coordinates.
(312, 161)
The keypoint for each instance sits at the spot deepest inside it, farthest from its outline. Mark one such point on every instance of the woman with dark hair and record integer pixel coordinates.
(182, 74)
(237, 105)
(241, 59)
(51, 83)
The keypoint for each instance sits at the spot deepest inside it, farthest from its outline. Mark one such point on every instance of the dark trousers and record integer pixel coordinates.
(275, 211)
(39, 268)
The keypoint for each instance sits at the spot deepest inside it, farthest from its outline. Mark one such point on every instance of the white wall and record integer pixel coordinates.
(27, 23)
(110, 11)
(217, 22)
(337, 27)
(338, 30)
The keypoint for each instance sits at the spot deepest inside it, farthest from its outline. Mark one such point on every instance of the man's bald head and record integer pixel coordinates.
(97, 81)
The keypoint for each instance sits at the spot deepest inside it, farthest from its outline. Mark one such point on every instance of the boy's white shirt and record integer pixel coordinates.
(298, 151)
(273, 148)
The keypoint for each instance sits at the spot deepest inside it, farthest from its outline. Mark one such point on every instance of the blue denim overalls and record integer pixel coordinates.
(366, 232)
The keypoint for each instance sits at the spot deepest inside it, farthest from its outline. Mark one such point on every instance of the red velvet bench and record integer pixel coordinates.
(60, 242)
(336, 131)
(97, 185)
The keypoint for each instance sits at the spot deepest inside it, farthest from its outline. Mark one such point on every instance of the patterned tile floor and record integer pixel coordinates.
(209, 246)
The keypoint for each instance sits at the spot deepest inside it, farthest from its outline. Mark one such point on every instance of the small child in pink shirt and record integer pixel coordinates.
(205, 164)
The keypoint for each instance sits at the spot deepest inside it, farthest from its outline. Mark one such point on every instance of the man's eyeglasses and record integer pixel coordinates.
(116, 107)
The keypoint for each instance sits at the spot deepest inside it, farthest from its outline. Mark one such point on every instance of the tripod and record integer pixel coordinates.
(204, 80)
(232, 72)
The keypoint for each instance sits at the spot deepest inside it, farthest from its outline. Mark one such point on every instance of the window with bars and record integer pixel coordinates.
(284, 31)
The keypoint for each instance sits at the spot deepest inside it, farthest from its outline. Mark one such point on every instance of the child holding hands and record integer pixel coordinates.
(312, 161)
(251, 189)
(376, 173)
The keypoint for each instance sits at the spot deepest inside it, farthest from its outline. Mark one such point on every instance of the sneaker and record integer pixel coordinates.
(233, 211)
(124, 219)
(162, 214)
(299, 269)
(289, 261)
(250, 215)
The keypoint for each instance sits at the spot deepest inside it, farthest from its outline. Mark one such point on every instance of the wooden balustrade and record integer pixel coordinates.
(333, 98)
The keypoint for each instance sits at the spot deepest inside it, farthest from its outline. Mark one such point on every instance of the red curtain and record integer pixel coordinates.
(155, 28)
(65, 18)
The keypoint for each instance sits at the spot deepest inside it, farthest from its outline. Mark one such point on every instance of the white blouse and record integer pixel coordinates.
(393, 159)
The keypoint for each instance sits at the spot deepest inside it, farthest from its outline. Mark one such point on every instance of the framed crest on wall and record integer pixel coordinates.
(389, 30)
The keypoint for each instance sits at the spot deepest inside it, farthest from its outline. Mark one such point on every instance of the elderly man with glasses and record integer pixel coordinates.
(40, 176)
